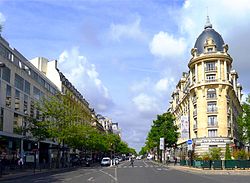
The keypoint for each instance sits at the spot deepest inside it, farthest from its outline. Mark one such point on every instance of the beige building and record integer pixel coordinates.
(206, 101)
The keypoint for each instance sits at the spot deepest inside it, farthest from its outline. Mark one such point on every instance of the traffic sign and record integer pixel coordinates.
(161, 143)
(189, 142)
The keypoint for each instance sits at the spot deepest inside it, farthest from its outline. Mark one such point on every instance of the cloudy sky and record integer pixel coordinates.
(125, 56)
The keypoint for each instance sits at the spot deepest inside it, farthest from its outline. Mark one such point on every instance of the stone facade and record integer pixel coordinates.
(209, 96)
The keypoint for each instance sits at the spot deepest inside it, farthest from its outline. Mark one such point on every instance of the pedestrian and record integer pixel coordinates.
(175, 161)
(132, 161)
(20, 162)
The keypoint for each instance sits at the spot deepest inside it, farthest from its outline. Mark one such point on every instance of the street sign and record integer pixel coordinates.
(161, 143)
(189, 142)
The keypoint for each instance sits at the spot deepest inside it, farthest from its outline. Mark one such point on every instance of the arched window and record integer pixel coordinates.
(211, 93)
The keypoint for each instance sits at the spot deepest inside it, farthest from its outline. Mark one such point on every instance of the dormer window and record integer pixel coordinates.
(209, 45)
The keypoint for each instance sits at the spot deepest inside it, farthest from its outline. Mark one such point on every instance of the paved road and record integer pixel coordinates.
(142, 172)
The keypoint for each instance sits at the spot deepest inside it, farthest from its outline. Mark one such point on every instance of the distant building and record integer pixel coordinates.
(116, 129)
(206, 101)
(106, 123)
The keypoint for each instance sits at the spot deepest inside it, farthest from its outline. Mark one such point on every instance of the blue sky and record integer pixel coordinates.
(126, 56)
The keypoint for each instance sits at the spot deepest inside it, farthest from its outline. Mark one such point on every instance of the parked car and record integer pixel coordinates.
(116, 160)
(106, 161)
(149, 157)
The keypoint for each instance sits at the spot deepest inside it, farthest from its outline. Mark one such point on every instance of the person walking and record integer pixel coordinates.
(132, 161)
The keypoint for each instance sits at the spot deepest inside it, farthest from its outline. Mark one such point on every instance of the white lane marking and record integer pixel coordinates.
(135, 166)
(116, 174)
(159, 169)
(91, 179)
(109, 175)
(125, 166)
(141, 166)
(40, 181)
(145, 163)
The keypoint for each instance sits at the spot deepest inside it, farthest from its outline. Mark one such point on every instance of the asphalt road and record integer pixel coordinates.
(142, 172)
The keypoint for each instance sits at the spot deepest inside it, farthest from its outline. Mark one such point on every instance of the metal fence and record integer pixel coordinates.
(217, 164)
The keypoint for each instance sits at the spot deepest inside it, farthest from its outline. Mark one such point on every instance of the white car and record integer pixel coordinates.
(149, 157)
(106, 161)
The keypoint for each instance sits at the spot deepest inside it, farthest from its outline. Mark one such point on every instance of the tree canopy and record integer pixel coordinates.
(163, 127)
(244, 121)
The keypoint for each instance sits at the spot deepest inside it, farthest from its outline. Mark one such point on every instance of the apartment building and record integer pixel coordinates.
(207, 98)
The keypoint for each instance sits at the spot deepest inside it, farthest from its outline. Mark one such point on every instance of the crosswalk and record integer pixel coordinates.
(144, 166)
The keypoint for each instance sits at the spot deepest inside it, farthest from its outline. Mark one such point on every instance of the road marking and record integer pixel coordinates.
(135, 166)
(125, 166)
(109, 175)
(141, 166)
(91, 179)
(145, 163)
(159, 169)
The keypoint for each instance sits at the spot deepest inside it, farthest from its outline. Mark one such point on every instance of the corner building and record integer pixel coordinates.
(207, 97)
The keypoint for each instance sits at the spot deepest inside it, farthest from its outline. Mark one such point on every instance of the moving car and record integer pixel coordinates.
(106, 161)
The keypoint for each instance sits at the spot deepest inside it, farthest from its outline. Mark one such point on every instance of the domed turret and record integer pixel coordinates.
(209, 40)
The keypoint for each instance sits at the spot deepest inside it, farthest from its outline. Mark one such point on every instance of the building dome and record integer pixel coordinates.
(208, 34)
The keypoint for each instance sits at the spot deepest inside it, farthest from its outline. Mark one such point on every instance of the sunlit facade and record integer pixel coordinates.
(208, 97)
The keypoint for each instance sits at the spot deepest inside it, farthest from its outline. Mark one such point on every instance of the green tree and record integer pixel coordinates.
(164, 127)
(228, 153)
(143, 151)
(244, 121)
(215, 153)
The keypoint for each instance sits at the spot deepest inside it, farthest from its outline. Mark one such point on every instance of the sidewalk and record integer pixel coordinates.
(245, 172)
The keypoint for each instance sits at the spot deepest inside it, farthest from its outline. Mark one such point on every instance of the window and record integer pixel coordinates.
(1, 119)
(19, 82)
(25, 104)
(212, 121)
(17, 100)
(210, 77)
(34, 75)
(211, 93)
(210, 66)
(36, 93)
(8, 96)
(6, 74)
(209, 49)
(212, 133)
(27, 87)
(41, 81)
(211, 107)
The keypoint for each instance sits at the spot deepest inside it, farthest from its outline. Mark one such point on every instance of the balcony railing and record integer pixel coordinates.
(194, 100)
(210, 69)
(212, 110)
(212, 124)
(229, 124)
(211, 80)
(195, 126)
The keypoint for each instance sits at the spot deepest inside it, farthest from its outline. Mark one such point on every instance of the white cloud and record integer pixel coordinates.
(164, 84)
(131, 30)
(2, 19)
(165, 45)
(145, 103)
(85, 78)
(141, 86)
